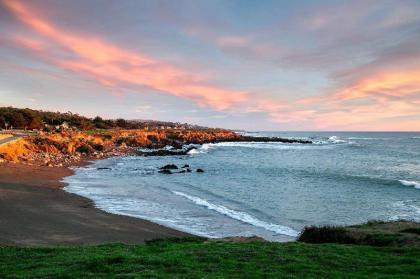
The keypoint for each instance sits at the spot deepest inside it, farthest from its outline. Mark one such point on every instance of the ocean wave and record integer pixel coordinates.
(265, 145)
(416, 184)
(332, 141)
(336, 140)
(193, 151)
(320, 144)
(240, 216)
(357, 138)
(199, 149)
(406, 211)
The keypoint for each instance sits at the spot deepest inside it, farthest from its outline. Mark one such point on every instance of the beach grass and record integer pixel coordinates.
(200, 258)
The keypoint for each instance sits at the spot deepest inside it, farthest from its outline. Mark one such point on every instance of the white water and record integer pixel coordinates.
(241, 216)
(416, 184)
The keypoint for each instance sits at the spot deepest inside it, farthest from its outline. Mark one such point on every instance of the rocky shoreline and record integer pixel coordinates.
(66, 149)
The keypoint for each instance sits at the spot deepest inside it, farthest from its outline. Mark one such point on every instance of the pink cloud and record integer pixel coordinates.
(114, 66)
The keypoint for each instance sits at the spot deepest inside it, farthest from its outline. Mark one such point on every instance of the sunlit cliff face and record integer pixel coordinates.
(283, 66)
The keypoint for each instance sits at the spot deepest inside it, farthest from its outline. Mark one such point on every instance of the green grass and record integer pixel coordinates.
(198, 258)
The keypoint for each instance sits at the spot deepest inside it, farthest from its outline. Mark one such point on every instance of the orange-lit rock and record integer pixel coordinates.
(67, 148)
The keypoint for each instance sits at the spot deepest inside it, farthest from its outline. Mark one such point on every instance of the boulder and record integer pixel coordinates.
(165, 171)
(169, 167)
(185, 166)
(200, 170)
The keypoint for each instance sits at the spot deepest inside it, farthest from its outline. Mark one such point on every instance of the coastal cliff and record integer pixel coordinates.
(67, 148)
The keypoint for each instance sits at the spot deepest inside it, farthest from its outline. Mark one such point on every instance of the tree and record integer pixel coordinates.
(18, 121)
(2, 122)
(35, 123)
(100, 123)
(85, 125)
(121, 123)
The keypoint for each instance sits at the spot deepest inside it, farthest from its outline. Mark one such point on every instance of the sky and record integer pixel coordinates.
(252, 65)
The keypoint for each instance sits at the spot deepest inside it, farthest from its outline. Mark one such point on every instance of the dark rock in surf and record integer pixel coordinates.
(200, 170)
(185, 166)
(169, 167)
(164, 152)
(267, 139)
(165, 171)
(103, 168)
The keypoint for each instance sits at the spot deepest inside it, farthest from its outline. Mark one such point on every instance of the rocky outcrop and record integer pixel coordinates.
(164, 152)
(169, 167)
(67, 148)
(266, 139)
(165, 171)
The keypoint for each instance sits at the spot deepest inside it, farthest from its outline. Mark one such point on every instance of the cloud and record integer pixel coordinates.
(114, 66)
(368, 53)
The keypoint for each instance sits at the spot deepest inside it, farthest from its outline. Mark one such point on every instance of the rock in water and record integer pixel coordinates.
(163, 152)
(169, 167)
(103, 168)
(165, 171)
(185, 166)
(200, 170)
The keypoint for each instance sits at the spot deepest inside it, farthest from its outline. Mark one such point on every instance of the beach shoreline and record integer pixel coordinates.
(36, 210)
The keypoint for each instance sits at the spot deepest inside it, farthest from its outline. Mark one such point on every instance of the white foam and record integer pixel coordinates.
(357, 138)
(406, 211)
(240, 216)
(206, 146)
(416, 184)
(193, 151)
(337, 140)
(266, 145)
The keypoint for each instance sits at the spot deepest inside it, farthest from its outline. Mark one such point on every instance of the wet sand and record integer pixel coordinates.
(34, 210)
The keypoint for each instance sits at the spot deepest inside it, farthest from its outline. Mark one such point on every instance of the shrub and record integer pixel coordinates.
(98, 147)
(85, 149)
(326, 234)
(412, 230)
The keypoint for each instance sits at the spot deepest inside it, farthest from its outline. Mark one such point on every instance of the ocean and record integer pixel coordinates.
(272, 190)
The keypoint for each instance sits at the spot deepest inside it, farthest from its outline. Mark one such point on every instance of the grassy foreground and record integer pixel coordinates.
(199, 258)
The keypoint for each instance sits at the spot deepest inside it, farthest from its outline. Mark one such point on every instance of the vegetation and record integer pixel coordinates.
(37, 119)
(198, 258)
(243, 258)
(374, 233)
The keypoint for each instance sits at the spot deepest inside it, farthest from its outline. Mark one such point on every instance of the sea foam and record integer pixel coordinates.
(416, 184)
(240, 216)
(267, 145)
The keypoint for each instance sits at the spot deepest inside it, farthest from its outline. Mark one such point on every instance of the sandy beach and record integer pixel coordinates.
(35, 210)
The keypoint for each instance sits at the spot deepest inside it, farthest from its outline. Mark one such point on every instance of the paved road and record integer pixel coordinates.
(10, 139)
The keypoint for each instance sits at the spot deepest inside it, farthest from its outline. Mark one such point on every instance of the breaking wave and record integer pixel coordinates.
(416, 184)
(263, 145)
(240, 216)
